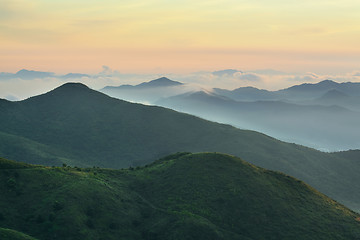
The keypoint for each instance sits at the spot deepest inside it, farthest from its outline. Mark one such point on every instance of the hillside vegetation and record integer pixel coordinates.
(82, 127)
(8, 234)
(182, 196)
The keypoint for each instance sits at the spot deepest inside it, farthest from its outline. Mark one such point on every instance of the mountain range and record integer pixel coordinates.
(330, 128)
(31, 74)
(323, 115)
(146, 92)
(305, 91)
(160, 82)
(78, 126)
(182, 196)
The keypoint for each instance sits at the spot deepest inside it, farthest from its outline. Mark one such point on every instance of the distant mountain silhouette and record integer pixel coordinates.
(160, 82)
(321, 86)
(30, 74)
(334, 95)
(146, 92)
(74, 75)
(307, 90)
(311, 123)
(203, 96)
(301, 92)
(26, 75)
(336, 98)
(247, 94)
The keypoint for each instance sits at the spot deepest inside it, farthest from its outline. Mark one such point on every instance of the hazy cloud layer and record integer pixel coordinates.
(252, 77)
(24, 84)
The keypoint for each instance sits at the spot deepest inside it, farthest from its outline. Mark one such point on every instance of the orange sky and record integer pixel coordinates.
(179, 35)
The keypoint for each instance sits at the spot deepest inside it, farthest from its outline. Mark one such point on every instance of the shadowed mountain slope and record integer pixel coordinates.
(82, 127)
(182, 196)
(9, 234)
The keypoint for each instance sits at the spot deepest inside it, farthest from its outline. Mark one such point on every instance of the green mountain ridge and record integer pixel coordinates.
(182, 196)
(9, 234)
(82, 127)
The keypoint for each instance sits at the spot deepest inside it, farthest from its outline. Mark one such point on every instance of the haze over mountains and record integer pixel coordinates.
(329, 128)
(210, 120)
(82, 127)
(147, 92)
(323, 115)
(31, 74)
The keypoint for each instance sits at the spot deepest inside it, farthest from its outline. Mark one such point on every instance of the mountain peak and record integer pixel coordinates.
(327, 82)
(31, 74)
(320, 86)
(24, 71)
(75, 75)
(72, 85)
(160, 82)
(161, 79)
(334, 94)
(66, 92)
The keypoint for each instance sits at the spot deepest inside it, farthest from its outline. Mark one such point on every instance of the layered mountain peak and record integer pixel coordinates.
(71, 86)
(31, 74)
(334, 94)
(320, 86)
(156, 83)
(162, 79)
(70, 93)
(328, 81)
(202, 95)
(160, 82)
(70, 89)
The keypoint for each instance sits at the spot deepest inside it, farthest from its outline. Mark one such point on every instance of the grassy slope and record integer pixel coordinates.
(353, 155)
(183, 196)
(82, 127)
(9, 234)
(16, 147)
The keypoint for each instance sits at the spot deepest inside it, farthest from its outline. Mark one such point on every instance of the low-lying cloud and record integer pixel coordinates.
(26, 83)
(251, 77)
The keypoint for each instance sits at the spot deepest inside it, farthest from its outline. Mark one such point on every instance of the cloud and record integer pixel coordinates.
(269, 72)
(226, 72)
(356, 73)
(11, 98)
(19, 89)
(308, 77)
(26, 75)
(251, 77)
(29, 83)
(106, 71)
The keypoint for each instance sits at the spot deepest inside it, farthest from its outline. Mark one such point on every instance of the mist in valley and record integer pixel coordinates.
(312, 115)
(321, 114)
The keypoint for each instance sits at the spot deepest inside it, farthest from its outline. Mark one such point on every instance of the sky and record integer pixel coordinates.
(180, 36)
